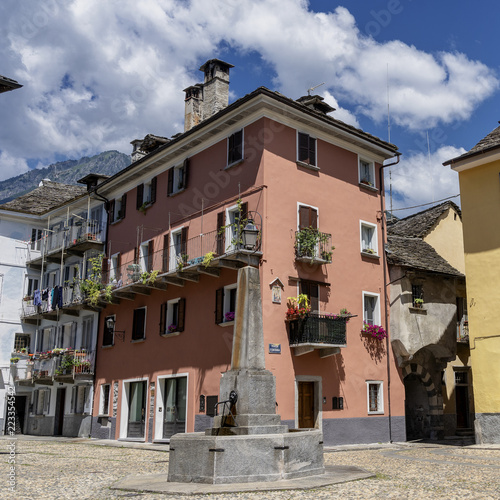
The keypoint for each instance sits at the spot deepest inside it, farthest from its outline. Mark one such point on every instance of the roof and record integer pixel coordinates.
(7, 84)
(417, 254)
(261, 91)
(420, 224)
(47, 196)
(491, 141)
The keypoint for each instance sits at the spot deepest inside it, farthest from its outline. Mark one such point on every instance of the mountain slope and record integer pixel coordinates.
(67, 172)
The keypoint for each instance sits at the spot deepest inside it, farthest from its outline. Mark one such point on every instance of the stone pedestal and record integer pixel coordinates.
(248, 442)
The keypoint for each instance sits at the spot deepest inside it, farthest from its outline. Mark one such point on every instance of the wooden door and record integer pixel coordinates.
(59, 414)
(306, 405)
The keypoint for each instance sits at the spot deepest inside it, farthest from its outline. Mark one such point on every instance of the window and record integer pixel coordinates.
(417, 295)
(80, 399)
(172, 316)
(177, 178)
(32, 286)
(46, 339)
(87, 333)
(104, 399)
(366, 173)
(146, 256)
(36, 239)
(146, 193)
(235, 147)
(41, 401)
(371, 308)
(375, 396)
(233, 237)
(178, 250)
(369, 243)
(117, 208)
(108, 333)
(310, 289)
(21, 341)
(115, 274)
(306, 149)
(139, 324)
(225, 304)
(308, 217)
(67, 335)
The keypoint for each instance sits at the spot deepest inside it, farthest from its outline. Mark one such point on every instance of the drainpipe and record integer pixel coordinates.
(386, 310)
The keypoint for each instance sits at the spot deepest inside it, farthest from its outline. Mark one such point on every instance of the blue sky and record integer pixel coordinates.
(98, 74)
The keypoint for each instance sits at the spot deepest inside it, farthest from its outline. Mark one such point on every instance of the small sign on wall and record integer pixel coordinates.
(274, 348)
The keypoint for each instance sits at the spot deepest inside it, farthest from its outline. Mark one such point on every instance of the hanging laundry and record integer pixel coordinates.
(37, 298)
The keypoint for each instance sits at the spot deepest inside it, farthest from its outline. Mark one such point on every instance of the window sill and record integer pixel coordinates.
(171, 195)
(368, 187)
(376, 412)
(170, 334)
(138, 341)
(107, 346)
(226, 323)
(370, 255)
(417, 310)
(234, 164)
(314, 168)
(117, 221)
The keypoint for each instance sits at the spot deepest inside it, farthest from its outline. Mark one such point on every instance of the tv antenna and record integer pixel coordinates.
(312, 88)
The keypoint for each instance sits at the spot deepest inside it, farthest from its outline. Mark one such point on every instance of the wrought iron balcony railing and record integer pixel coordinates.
(318, 329)
(313, 245)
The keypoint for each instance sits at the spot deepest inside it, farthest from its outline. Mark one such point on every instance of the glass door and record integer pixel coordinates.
(137, 409)
(174, 411)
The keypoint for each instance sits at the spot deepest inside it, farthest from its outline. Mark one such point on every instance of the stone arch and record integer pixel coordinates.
(424, 419)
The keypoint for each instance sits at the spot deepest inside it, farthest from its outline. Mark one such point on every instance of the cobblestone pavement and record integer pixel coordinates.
(57, 469)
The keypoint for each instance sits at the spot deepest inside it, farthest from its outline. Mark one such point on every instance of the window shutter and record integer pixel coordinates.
(139, 324)
(73, 335)
(52, 338)
(303, 147)
(154, 181)
(219, 306)
(181, 315)
(118, 271)
(140, 196)
(33, 235)
(35, 402)
(105, 270)
(221, 219)
(166, 239)
(150, 255)
(87, 404)
(123, 208)
(74, 390)
(111, 212)
(308, 217)
(136, 255)
(46, 402)
(244, 211)
(163, 318)
(184, 233)
(235, 147)
(312, 151)
(185, 173)
(170, 185)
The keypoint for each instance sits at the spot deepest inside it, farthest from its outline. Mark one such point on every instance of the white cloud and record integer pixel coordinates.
(420, 178)
(340, 113)
(98, 74)
(11, 166)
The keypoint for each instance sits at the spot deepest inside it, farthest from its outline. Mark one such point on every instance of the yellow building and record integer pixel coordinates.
(479, 175)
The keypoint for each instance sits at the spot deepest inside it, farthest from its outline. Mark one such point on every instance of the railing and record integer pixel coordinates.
(71, 294)
(463, 332)
(21, 370)
(318, 329)
(176, 257)
(311, 244)
(80, 232)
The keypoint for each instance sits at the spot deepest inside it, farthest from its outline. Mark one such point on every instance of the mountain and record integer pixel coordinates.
(67, 172)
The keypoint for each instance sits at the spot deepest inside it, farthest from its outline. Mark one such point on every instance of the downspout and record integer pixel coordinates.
(386, 310)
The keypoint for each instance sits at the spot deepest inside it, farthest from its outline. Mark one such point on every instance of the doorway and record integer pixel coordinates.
(59, 414)
(462, 398)
(418, 424)
(136, 409)
(306, 413)
(174, 406)
(20, 414)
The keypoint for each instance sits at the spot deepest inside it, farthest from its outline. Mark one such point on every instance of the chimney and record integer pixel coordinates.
(315, 102)
(206, 99)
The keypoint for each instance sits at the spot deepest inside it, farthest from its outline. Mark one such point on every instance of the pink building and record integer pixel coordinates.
(270, 182)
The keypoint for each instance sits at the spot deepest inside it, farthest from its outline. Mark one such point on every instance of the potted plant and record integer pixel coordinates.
(14, 360)
(297, 307)
(172, 328)
(229, 316)
(418, 303)
(371, 251)
(375, 331)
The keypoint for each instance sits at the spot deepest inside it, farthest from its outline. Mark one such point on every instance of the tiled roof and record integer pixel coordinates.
(418, 225)
(46, 197)
(415, 253)
(491, 141)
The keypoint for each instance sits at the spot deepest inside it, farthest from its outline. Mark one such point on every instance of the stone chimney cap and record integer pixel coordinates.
(315, 102)
(222, 63)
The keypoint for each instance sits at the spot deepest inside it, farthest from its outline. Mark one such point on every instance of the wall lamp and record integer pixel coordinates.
(110, 325)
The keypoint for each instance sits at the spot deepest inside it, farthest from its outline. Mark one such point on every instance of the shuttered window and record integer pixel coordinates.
(173, 316)
(140, 196)
(235, 147)
(306, 149)
(221, 220)
(166, 245)
(139, 324)
(308, 217)
(311, 289)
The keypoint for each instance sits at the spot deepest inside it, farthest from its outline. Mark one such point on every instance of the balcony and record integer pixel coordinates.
(57, 365)
(183, 262)
(71, 301)
(76, 239)
(323, 332)
(311, 245)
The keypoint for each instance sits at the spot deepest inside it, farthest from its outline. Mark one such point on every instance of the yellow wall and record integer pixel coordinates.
(447, 239)
(480, 194)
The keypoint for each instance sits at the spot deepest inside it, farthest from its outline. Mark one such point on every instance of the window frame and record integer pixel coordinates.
(103, 408)
(233, 158)
(223, 302)
(380, 397)
(178, 178)
(372, 178)
(373, 240)
(307, 161)
(376, 313)
(170, 309)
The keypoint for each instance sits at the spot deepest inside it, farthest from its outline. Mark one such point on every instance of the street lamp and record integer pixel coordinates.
(110, 325)
(250, 234)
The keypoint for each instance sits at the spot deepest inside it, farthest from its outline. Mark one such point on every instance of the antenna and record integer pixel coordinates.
(389, 137)
(312, 88)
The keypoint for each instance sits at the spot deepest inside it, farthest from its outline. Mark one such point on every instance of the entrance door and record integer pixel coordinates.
(306, 405)
(462, 398)
(174, 410)
(20, 408)
(136, 409)
(59, 416)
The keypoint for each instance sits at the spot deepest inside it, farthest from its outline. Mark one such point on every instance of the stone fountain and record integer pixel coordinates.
(248, 442)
